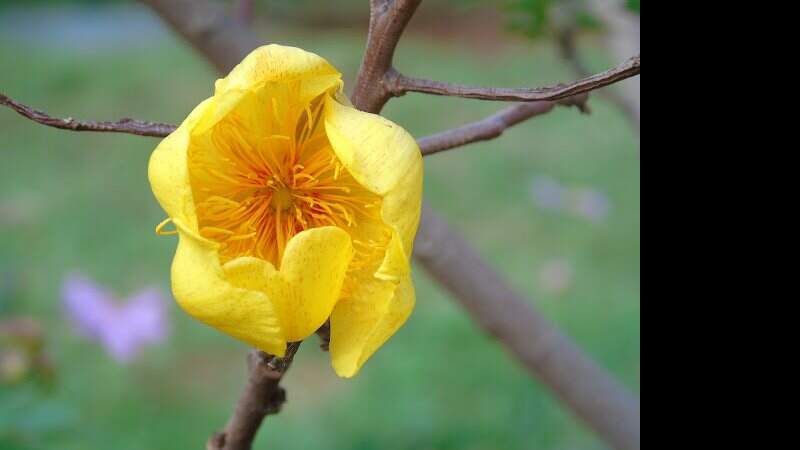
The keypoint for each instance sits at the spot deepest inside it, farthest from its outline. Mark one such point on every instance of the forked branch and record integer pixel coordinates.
(388, 20)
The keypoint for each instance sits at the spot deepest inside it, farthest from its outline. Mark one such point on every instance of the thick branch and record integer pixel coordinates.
(530, 338)
(493, 126)
(400, 84)
(207, 26)
(262, 396)
(127, 126)
(388, 20)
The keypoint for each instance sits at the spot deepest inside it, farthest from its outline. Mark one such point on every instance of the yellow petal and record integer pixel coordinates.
(288, 71)
(378, 153)
(385, 159)
(310, 280)
(169, 173)
(309, 283)
(395, 265)
(248, 273)
(364, 320)
(281, 64)
(402, 209)
(204, 291)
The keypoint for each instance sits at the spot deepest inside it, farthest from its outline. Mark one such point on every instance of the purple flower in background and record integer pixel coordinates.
(122, 328)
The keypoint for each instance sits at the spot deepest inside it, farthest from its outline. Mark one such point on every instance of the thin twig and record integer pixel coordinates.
(400, 84)
(262, 396)
(493, 126)
(127, 126)
(568, 46)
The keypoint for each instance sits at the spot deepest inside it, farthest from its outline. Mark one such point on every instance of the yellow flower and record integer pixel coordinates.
(292, 208)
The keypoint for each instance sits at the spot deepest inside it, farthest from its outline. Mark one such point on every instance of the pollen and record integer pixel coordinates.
(258, 180)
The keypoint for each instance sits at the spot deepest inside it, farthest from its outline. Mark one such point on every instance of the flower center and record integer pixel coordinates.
(259, 181)
(282, 199)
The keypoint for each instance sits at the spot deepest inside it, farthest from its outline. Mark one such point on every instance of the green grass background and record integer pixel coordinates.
(81, 202)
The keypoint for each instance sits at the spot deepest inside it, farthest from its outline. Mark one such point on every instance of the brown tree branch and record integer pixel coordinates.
(245, 11)
(494, 126)
(127, 126)
(388, 20)
(218, 36)
(545, 352)
(399, 84)
(262, 396)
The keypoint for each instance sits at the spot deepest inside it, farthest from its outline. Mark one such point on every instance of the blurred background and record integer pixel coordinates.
(94, 353)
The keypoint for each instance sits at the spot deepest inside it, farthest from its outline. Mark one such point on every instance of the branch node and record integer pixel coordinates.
(392, 81)
(275, 402)
(380, 7)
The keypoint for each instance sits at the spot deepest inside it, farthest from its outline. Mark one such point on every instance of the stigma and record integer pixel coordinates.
(282, 199)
